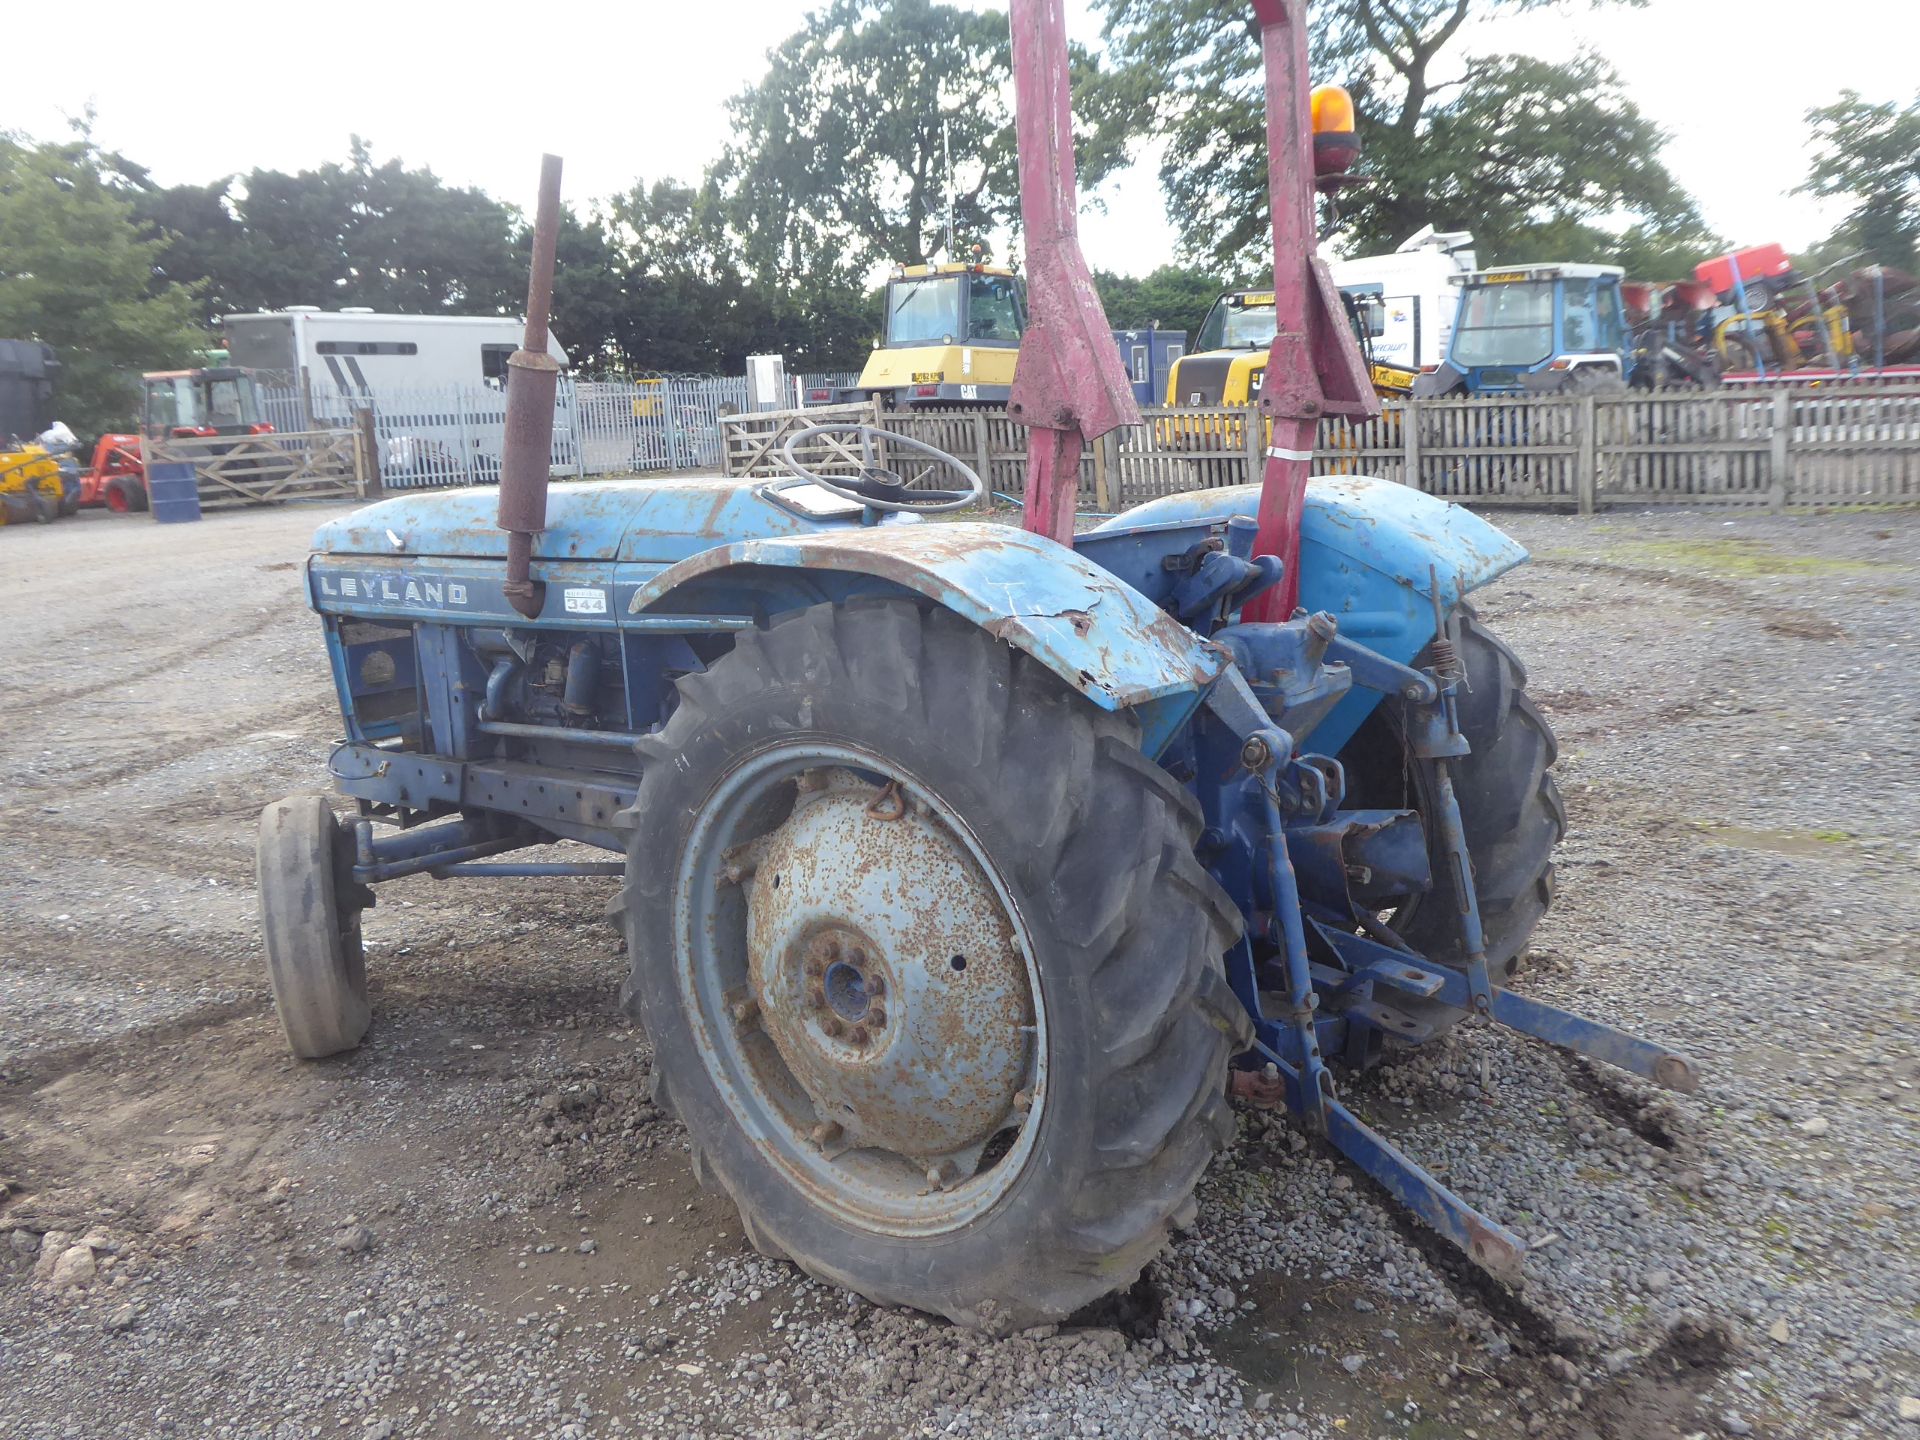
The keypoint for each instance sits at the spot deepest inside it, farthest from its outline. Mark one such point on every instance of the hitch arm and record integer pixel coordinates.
(1488, 1243)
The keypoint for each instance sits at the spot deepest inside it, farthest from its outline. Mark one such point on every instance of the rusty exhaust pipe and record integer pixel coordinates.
(533, 380)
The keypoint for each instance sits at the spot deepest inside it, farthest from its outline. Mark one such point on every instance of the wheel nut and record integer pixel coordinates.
(832, 1026)
(816, 994)
(876, 1015)
(858, 1035)
(876, 985)
(833, 949)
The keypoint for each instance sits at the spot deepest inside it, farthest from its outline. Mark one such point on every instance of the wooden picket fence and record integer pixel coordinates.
(233, 471)
(1808, 447)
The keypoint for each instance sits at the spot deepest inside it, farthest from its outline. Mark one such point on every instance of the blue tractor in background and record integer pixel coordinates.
(964, 872)
(1537, 330)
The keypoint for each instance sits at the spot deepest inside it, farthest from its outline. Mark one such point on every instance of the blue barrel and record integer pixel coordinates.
(174, 491)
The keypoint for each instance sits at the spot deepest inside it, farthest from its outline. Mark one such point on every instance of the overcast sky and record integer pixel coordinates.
(644, 87)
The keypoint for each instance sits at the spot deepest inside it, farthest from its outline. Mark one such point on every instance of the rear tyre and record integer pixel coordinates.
(1509, 804)
(898, 888)
(310, 926)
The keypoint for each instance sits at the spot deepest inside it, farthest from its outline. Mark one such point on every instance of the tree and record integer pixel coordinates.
(589, 290)
(691, 305)
(78, 272)
(1870, 155)
(1173, 297)
(362, 233)
(1520, 151)
(840, 158)
(839, 155)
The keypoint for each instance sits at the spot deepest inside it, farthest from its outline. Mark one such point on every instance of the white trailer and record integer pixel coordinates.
(356, 351)
(436, 384)
(1418, 288)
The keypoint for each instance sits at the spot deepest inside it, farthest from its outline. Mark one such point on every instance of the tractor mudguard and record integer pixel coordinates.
(1093, 630)
(1371, 552)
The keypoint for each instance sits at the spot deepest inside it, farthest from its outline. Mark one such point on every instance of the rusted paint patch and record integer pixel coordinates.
(1257, 1088)
(887, 975)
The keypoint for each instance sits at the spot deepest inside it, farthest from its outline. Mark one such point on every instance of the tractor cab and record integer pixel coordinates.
(185, 404)
(1536, 330)
(951, 337)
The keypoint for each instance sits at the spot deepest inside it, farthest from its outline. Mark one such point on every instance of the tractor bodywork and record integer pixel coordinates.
(698, 556)
(966, 869)
(482, 731)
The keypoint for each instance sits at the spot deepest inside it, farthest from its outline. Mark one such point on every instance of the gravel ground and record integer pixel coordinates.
(478, 1225)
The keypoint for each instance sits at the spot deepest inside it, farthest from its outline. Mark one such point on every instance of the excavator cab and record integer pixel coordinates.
(952, 337)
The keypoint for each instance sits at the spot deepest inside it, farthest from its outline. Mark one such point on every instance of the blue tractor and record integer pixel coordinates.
(1537, 330)
(964, 873)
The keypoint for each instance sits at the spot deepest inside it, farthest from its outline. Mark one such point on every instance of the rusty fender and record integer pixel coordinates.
(1093, 630)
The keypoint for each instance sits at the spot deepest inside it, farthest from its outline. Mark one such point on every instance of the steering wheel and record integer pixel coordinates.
(877, 486)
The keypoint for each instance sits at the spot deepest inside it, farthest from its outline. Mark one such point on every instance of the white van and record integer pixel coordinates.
(1418, 289)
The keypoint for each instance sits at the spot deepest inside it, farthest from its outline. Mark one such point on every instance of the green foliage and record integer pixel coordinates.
(361, 233)
(838, 160)
(1526, 154)
(589, 290)
(690, 304)
(1870, 154)
(1174, 297)
(77, 271)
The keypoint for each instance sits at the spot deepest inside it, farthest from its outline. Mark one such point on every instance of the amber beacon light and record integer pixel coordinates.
(1335, 145)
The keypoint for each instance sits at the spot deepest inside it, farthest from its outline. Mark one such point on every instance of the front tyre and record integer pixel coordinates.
(932, 976)
(310, 926)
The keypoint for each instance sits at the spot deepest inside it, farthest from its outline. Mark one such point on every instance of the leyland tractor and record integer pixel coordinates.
(965, 870)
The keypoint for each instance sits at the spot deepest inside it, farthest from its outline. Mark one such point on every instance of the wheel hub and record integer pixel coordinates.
(885, 971)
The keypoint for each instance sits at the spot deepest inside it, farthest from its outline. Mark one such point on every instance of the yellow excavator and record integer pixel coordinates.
(952, 338)
(1230, 360)
(31, 484)
(1229, 357)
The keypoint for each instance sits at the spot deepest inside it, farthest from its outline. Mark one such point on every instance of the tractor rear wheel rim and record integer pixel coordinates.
(861, 988)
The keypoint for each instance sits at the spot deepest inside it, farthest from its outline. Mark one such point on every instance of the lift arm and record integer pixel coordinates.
(1070, 386)
(1315, 367)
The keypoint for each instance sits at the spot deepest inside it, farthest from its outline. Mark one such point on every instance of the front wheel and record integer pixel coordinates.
(1510, 806)
(932, 976)
(310, 926)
